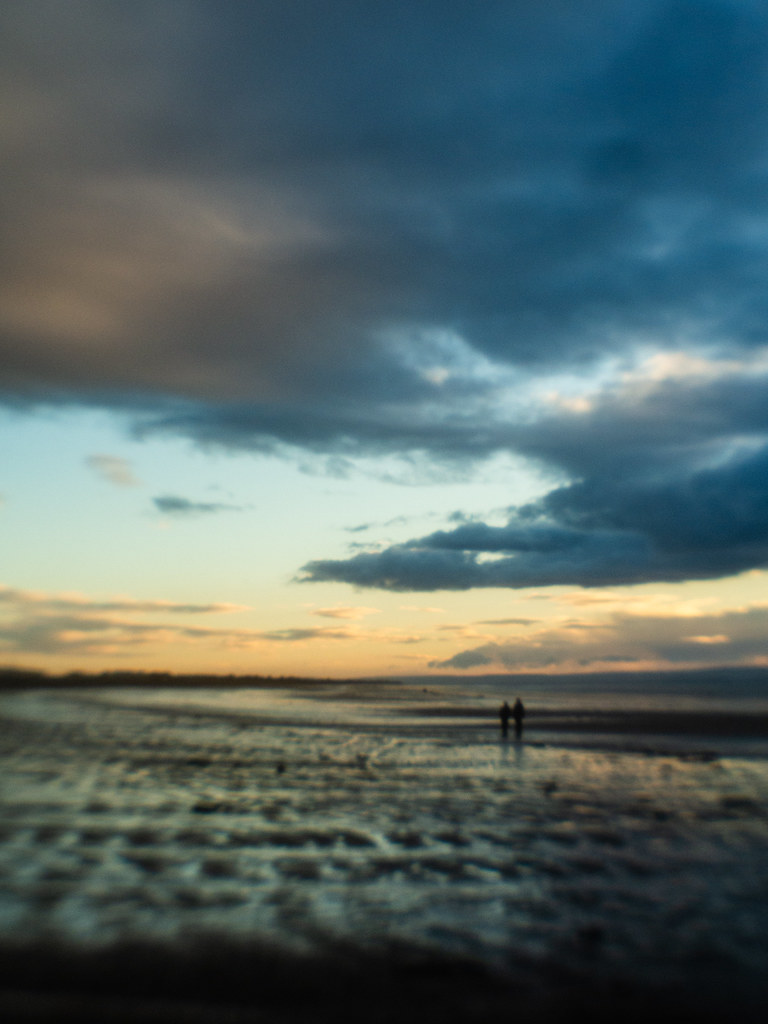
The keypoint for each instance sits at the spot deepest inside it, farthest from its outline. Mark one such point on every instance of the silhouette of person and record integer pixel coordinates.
(505, 713)
(518, 713)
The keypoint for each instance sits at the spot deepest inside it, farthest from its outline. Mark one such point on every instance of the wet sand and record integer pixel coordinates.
(594, 720)
(264, 858)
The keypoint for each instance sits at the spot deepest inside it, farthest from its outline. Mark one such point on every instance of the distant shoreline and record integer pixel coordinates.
(24, 679)
(731, 677)
(541, 721)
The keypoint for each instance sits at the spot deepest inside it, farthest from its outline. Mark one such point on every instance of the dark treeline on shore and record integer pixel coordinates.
(22, 678)
(721, 679)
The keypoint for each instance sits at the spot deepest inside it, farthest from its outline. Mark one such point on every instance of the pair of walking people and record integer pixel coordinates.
(516, 712)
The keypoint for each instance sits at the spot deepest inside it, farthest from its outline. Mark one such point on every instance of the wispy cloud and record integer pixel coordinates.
(173, 505)
(426, 609)
(33, 622)
(344, 612)
(114, 469)
(298, 634)
(507, 622)
(13, 597)
(53, 624)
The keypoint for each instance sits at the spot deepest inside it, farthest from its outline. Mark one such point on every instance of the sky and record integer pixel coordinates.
(346, 338)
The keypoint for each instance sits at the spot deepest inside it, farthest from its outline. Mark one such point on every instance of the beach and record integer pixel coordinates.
(377, 850)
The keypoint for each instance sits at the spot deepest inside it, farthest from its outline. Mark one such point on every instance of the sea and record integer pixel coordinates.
(615, 850)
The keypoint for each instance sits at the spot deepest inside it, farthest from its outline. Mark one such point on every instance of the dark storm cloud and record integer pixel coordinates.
(355, 228)
(655, 497)
(246, 203)
(589, 559)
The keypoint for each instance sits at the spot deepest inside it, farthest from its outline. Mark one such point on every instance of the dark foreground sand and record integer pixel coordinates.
(219, 981)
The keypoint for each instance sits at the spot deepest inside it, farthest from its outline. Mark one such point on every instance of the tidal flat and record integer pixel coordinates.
(375, 851)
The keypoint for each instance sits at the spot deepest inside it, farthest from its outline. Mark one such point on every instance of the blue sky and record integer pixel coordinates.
(354, 338)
